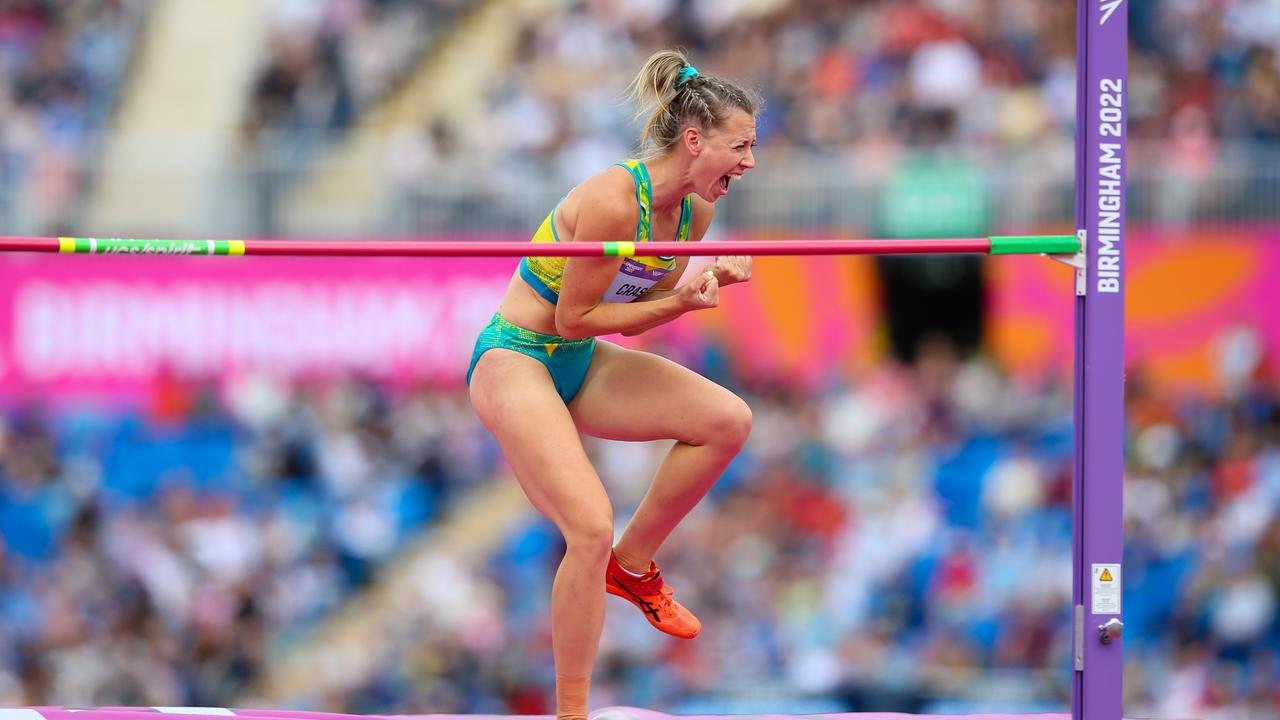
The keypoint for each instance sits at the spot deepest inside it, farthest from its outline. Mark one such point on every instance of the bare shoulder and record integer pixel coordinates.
(703, 211)
(602, 206)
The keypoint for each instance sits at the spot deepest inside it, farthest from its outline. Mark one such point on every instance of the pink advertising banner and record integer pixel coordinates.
(94, 327)
(74, 327)
(105, 326)
(800, 320)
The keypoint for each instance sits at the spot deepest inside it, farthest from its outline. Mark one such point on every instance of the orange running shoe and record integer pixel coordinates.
(653, 596)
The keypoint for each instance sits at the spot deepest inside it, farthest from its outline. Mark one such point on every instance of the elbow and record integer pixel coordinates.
(571, 333)
(570, 328)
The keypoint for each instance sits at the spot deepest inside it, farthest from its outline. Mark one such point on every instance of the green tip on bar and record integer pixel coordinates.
(1030, 244)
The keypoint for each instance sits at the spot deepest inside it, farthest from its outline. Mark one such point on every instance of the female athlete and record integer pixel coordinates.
(539, 375)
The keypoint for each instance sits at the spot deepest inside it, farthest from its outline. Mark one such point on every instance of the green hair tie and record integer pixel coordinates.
(686, 74)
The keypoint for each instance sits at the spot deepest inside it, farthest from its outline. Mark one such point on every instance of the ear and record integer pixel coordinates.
(693, 140)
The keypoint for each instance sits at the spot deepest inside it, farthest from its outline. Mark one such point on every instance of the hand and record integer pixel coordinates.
(730, 269)
(701, 292)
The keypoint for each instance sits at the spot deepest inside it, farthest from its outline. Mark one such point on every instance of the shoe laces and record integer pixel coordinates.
(665, 601)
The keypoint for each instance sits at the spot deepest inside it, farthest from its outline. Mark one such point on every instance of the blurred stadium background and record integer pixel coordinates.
(259, 483)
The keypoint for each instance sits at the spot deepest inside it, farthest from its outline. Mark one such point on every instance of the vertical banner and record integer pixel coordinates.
(1098, 527)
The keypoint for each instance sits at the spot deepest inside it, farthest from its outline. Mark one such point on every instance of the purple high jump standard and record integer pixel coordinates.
(1098, 522)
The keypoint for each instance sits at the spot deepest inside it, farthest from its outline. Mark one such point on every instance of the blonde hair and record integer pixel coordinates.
(673, 96)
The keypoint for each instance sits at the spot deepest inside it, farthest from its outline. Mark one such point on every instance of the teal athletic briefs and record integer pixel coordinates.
(566, 360)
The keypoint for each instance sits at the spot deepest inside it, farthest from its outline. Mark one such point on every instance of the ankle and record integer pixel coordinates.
(629, 563)
(571, 697)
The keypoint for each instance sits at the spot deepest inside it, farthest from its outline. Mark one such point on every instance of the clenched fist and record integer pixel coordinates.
(730, 269)
(701, 292)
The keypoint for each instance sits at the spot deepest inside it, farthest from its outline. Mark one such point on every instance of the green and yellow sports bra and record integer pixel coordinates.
(637, 276)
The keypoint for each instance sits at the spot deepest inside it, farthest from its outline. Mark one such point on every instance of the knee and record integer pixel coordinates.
(590, 534)
(731, 423)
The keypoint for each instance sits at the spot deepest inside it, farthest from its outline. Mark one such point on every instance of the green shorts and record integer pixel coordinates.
(566, 360)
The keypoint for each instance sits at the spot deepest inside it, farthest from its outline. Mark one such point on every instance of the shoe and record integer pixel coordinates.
(653, 596)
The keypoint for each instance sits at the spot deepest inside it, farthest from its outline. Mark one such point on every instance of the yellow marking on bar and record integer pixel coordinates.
(627, 248)
(235, 247)
(66, 245)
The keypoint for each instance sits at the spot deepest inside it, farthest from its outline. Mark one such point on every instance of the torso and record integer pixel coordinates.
(525, 306)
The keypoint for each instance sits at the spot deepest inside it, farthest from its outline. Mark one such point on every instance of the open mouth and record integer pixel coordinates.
(724, 183)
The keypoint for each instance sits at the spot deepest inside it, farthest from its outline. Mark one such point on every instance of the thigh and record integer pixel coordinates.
(634, 395)
(515, 398)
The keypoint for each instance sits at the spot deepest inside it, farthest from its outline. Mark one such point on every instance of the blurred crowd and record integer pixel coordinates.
(156, 557)
(871, 79)
(901, 542)
(329, 61)
(61, 64)
(851, 87)
(898, 542)
(904, 543)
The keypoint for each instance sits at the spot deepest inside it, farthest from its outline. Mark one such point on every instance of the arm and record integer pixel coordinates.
(664, 289)
(580, 312)
(727, 270)
(703, 211)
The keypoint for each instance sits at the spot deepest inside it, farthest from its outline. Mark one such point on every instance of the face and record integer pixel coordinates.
(724, 154)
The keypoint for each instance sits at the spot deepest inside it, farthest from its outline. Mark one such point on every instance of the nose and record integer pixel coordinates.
(748, 160)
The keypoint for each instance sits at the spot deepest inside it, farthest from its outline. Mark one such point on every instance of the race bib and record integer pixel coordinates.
(634, 279)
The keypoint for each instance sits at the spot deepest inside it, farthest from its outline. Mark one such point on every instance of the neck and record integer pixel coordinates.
(671, 181)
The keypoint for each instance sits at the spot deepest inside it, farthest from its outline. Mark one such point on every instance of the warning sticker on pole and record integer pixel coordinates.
(1106, 589)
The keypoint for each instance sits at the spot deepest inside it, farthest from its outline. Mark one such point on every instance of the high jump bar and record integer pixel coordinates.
(991, 245)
